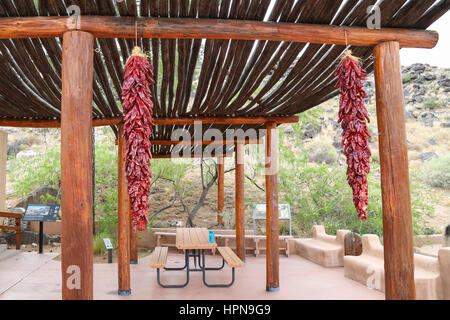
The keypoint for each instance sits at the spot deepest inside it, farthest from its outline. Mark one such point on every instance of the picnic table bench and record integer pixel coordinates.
(194, 242)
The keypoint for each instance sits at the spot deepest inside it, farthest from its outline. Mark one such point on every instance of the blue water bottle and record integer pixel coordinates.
(211, 236)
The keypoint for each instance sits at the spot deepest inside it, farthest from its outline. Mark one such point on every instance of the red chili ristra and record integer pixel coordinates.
(138, 111)
(352, 116)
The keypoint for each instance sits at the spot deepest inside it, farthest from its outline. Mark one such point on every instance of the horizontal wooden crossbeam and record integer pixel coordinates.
(32, 123)
(190, 143)
(188, 28)
(224, 120)
(190, 156)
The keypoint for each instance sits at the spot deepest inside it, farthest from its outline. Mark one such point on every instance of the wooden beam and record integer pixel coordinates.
(190, 156)
(397, 218)
(220, 189)
(123, 254)
(224, 120)
(190, 143)
(272, 243)
(188, 28)
(76, 165)
(33, 123)
(239, 201)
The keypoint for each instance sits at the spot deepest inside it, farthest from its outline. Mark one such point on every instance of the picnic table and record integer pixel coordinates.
(194, 242)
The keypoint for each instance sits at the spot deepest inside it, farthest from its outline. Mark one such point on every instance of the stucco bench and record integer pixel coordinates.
(368, 269)
(323, 249)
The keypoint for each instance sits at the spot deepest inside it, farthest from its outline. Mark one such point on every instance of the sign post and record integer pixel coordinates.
(41, 235)
(109, 247)
(42, 213)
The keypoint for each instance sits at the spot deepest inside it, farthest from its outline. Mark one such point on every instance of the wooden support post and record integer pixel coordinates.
(240, 210)
(220, 190)
(76, 165)
(272, 244)
(397, 219)
(123, 258)
(18, 232)
(133, 243)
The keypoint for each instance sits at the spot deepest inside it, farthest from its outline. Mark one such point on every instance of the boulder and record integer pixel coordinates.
(428, 115)
(310, 131)
(288, 130)
(444, 82)
(419, 67)
(427, 156)
(409, 115)
(333, 123)
(29, 153)
(35, 196)
(428, 123)
(30, 237)
(418, 99)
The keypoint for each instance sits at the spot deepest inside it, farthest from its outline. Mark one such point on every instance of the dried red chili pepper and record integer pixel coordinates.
(138, 111)
(352, 116)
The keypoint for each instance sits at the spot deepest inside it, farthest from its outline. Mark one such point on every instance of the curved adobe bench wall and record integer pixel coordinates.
(323, 249)
(431, 275)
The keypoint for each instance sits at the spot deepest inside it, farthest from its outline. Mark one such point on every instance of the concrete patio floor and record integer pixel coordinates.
(30, 276)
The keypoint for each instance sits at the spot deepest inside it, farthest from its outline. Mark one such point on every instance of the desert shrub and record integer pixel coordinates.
(432, 104)
(437, 172)
(99, 245)
(407, 79)
(318, 193)
(106, 197)
(27, 174)
(321, 150)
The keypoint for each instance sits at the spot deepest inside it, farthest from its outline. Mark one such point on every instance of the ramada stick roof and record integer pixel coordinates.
(195, 77)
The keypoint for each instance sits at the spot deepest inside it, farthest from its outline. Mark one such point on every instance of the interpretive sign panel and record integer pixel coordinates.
(41, 212)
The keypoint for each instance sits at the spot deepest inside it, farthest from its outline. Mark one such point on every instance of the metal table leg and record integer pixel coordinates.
(196, 255)
(178, 268)
(215, 285)
(213, 268)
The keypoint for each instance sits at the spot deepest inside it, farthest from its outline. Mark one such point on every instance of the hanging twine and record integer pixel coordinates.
(348, 53)
(137, 52)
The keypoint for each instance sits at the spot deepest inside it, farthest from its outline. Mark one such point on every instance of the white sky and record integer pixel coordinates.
(438, 56)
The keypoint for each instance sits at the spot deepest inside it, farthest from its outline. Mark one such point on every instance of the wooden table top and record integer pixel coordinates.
(193, 238)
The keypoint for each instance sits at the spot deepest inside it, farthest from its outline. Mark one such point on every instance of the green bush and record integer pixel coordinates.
(99, 244)
(437, 172)
(407, 79)
(318, 193)
(27, 174)
(106, 197)
(432, 104)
